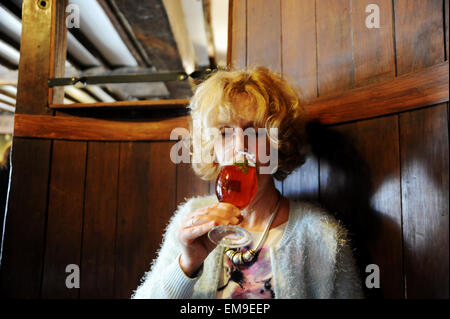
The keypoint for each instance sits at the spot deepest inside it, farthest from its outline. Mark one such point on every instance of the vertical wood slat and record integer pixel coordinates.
(188, 184)
(66, 185)
(146, 201)
(334, 46)
(378, 214)
(237, 49)
(425, 194)
(424, 155)
(264, 38)
(100, 213)
(264, 34)
(24, 239)
(300, 70)
(373, 48)
(65, 218)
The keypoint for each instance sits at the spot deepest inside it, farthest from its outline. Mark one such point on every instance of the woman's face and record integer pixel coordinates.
(238, 137)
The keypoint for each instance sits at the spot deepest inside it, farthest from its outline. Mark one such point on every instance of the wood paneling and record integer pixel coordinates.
(64, 217)
(24, 236)
(334, 46)
(424, 155)
(237, 43)
(425, 201)
(264, 34)
(146, 200)
(99, 225)
(299, 52)
(96, 129)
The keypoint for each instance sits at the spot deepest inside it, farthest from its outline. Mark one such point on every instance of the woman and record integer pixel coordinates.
(303, 254)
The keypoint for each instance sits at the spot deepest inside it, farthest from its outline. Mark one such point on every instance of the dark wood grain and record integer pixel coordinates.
(424, 156)
(377, 220)
(299, 51)
(373, 48)
(425, 201)
(24, 235)
(146, 200)
(334, 46)
(419, 34)
(65, 217)
(99, 225)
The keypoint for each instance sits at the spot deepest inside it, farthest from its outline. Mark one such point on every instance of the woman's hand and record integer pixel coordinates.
(193, 234)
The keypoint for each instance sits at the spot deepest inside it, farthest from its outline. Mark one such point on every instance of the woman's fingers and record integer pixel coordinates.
(190, 234)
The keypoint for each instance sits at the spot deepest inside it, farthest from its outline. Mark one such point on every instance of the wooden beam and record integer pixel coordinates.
(407, 92)
(90, 129)
(125, 33)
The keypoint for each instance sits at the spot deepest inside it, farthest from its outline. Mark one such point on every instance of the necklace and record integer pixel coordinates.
(238, 257)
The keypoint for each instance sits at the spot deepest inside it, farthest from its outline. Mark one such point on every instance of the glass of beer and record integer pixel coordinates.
(236, 184)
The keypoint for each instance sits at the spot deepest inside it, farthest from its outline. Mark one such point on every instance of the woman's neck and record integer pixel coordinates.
(257, 213)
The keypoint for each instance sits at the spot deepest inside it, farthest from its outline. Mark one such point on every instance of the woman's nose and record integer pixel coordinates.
(240, 143)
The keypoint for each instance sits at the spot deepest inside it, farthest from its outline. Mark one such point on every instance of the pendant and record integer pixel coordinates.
(239, 257)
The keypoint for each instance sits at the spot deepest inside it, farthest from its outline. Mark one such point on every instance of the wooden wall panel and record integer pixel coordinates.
(424, 155)
(300, 70)
(425, 201)
(373, 48)
(188, 184)
(264, 34)
(378, 212)
(64, 217)
(99, 226)
(23, 244)
(146, 201)
(334, 46)
(237, 51)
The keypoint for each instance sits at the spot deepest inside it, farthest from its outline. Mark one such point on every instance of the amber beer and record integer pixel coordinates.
(236, 184)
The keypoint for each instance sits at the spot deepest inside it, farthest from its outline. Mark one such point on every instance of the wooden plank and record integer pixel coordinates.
(23, 238)
(424, 155)
(123, 29)
(299, 47)
(24, 233)
(98, 255)
(372, 44)
(145, 203)
(92, 129)
(425, 201)
(65, 217)
(188, 184)
(405, 92)
(150, 104)
(378, 214)
(334, 46)
(264, 34)
(237, 34)
(300, 70)
(419, 34)
(378, 218)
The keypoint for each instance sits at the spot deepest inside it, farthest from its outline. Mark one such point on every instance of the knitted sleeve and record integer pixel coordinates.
(166, 280)
(347, 284)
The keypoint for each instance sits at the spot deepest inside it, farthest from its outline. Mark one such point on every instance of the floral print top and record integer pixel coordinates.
(254, 280)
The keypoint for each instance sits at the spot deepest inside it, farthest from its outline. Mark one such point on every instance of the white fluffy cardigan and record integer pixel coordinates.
(312, 260)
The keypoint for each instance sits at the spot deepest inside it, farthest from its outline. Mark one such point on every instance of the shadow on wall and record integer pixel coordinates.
(346, 189)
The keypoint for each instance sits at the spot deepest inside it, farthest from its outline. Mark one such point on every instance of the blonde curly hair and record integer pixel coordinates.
(219, 100)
